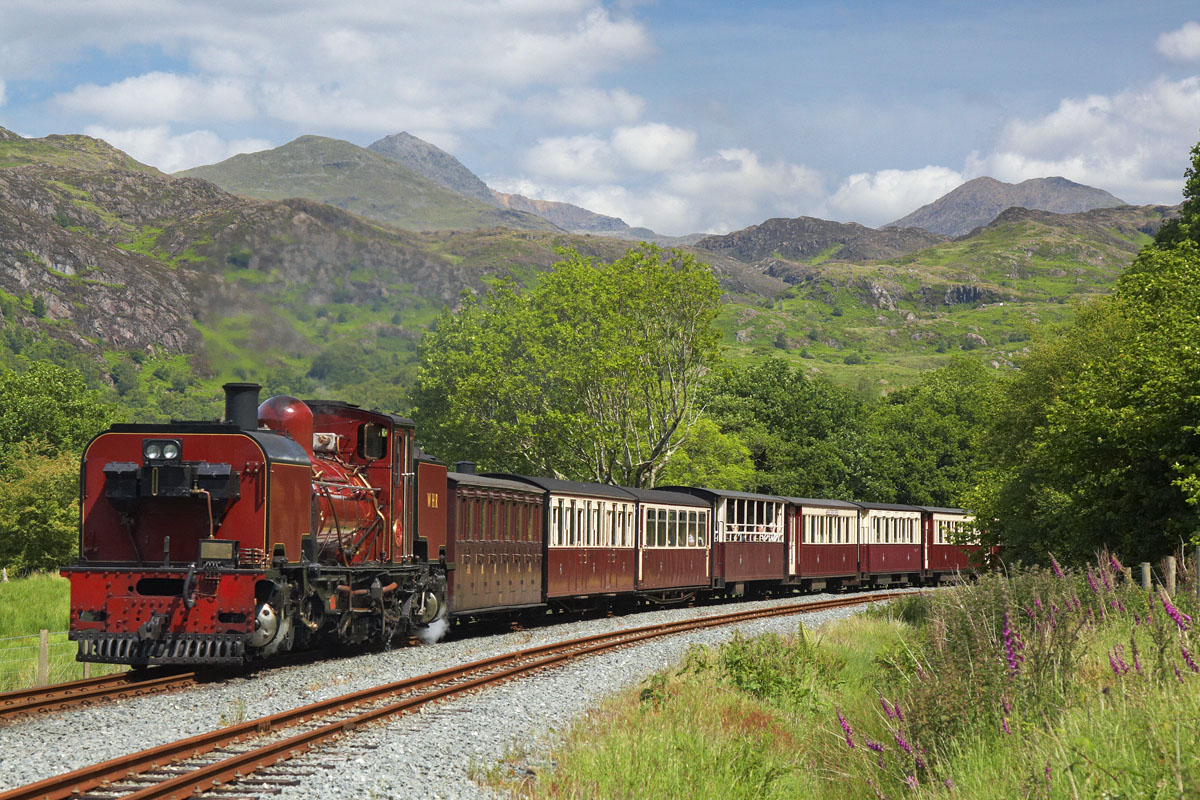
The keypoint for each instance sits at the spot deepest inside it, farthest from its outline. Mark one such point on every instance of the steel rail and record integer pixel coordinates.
(445, 683)
(130, 683)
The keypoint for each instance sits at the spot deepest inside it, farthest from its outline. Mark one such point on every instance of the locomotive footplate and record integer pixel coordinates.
(171, 648)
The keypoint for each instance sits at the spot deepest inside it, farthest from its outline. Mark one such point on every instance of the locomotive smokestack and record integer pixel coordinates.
(241, 405)
(465, 467)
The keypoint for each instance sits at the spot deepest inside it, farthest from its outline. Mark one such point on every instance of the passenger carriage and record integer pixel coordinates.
(950, 539)
(673, 546)
(590, 537)
(495, 543)
(823, 542)
(748, 536)
(892, 543)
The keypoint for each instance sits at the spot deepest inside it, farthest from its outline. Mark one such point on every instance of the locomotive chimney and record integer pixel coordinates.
(465, 467)
(241, 405)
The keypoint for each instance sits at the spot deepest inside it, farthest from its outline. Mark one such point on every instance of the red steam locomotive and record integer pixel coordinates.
(291, 525)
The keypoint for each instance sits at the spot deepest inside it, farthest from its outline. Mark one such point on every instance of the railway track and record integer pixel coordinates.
(118, 686)
(232, 754)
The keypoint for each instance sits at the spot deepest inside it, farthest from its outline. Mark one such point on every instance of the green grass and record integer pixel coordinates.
(27, 606)
(1020, 685)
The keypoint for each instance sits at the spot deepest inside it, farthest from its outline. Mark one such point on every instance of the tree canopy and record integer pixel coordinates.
(595, 373)
(1095, 441)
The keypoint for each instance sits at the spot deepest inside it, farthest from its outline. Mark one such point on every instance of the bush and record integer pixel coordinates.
(39, 510)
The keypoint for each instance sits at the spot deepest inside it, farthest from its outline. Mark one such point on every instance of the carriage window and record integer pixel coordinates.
(596, 538)
(672, 524)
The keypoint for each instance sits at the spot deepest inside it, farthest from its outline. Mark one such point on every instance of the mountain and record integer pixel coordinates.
(813, 241)
(977, 202)
(433, 163)
(360, 180)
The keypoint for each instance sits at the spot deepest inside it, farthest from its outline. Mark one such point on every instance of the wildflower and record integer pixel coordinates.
(1029, 612)
(899, 713)
(1187, 659)
(920, 763)
(876, 746)
(911, 780)
(1181, 619)
(1107, 583)
(949, 784)
(1092, 582)
(1037, 602)
(1004, 726)
(1178, 675)
(887, 707)
(1047, 774)
(1012, 646)
(1133, 649)
(1057, 569)
(1116, 567)
(846, 728)
(901, 742)
(1119, 667)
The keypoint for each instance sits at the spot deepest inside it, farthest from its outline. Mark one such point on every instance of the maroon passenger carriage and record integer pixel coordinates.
(823, 543)
(495, 549)
(748, 536)
(590, 535)
(950, 542)
(673, 546)
(891, 536)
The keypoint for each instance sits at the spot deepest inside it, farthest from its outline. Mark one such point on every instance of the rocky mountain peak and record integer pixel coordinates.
(434, 163)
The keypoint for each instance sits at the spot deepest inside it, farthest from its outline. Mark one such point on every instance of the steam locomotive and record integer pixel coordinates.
(292, 525)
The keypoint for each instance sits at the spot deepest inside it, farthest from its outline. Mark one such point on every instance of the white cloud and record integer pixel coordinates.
(158, 147)
(3, 93)
(730, 189)
(1182, 44)
(877, 198)
(1133, 143)
(587, 107)
(162, 97)
(571, 158)
(654, 147)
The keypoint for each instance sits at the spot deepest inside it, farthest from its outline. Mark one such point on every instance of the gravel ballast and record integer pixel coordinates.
(431, 753)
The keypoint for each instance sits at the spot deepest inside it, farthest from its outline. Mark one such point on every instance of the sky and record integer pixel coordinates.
(678, 116)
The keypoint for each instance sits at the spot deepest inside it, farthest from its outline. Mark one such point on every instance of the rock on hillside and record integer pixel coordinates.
(810, 240)
(433, 163)
(564, 215)
(977, 202)
(360, 180)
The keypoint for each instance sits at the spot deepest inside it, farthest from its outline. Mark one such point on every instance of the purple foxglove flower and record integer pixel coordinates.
(911, 780)
(1133, 649)
(901, 742)
(846, 728)
(876, 746)
(1057, 569)
(1187, 659)
(1004, 726)
(1181, 619)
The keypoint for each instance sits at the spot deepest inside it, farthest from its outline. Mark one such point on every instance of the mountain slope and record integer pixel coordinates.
(359, 180)
(810, 240)
(977, 202)
(433, 163)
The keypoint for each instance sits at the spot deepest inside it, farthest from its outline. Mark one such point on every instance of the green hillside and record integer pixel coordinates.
(359, 180)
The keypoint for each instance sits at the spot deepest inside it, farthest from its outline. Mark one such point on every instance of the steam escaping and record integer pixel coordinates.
(434, 631)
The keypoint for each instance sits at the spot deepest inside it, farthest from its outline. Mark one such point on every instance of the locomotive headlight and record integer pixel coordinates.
(161, 449)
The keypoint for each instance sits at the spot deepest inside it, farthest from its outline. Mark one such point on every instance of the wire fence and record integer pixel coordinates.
(43, 658)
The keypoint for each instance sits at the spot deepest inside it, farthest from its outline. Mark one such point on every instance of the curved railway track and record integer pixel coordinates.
(118, 686)
(221, 757)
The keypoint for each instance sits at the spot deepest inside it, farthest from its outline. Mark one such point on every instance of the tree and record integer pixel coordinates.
(50, 407)
(39, 509)
(593, 374)
(710, 457)
(1187, 226)
(805, 436)
(922, 439)
(1095, 442)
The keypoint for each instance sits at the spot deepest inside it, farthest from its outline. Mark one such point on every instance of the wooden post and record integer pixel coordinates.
(1171, 575)
(43, 673)
(1146, 577)
(87, 670)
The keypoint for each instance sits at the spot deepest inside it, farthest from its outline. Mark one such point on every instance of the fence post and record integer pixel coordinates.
(43, 674)
(1171, 575)
(1146, 577)
(87, 669)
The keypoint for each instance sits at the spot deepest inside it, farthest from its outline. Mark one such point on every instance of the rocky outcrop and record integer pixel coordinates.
(812, 240)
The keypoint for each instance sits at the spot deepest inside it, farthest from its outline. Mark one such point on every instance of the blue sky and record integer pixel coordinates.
(680, 116)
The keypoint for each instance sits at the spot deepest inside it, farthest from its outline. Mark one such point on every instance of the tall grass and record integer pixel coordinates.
(29, 605)
(1038, 684)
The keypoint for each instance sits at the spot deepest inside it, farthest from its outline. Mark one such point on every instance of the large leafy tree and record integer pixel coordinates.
(1095, 442)
(47, 414)
(922, 439)
(595, 373)
(805, 435)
